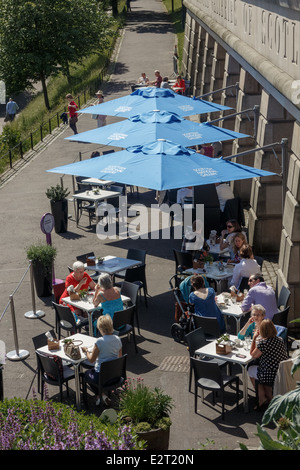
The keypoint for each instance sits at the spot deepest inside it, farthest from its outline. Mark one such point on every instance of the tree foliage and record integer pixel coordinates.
(41, 38)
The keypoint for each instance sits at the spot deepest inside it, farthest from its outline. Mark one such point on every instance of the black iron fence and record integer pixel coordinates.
(46, 127)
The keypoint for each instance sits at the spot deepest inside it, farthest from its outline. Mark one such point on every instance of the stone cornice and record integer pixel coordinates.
(279, 79)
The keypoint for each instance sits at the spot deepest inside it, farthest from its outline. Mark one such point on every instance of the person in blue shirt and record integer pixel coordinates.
(204, 301)
(107, 295)
(106, 348)
(11, 109)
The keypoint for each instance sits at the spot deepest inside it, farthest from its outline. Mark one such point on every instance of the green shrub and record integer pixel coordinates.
(42, 253)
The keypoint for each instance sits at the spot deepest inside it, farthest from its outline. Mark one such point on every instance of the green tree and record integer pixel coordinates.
(38, 39)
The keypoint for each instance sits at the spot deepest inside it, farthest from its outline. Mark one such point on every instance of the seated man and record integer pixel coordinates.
(260, 293)
(143, 79)
(158, 79)
(183, 193)
(224, 193)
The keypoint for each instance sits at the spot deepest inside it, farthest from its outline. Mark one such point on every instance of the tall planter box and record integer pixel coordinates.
(42, 279)
(59, 211)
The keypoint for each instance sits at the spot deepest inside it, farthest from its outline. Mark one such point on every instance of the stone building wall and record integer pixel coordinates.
(251, 51)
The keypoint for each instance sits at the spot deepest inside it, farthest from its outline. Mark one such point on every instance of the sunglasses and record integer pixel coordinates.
(251, 280)
(229, 226)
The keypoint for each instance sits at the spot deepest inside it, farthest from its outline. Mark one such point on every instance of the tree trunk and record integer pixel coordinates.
(45, 91)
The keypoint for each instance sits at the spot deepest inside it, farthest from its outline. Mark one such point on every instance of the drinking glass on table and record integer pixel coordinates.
(248, 342)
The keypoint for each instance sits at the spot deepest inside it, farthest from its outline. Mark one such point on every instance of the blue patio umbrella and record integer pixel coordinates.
(161, 165)
(148, 127)
(150, 99)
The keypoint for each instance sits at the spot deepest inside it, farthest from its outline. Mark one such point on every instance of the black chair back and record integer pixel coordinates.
(113, 373)
(280, 318)
(139, 255)
(210, 326)
(130, 290)
(41, 340)
(123, 317)
(183, 259)
(195, 340)
(50, 368)
(209, 370)
(283, 298)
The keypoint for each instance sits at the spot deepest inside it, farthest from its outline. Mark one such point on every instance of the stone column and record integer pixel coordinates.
(198, 65)
(289, 255)
(249, 95)
(265, 216)
(192, 50)
(186, 44)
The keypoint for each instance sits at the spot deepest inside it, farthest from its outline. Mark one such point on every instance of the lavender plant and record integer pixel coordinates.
(42, 425)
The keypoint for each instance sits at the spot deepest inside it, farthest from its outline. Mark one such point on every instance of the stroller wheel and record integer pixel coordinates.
(177, 332)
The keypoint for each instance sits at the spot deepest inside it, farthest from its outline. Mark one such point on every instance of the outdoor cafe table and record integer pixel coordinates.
(210, 350)
(231, 309)
(87, 306)
(113, 265)
(87, 341)
(96, 182)
(213, 272)
(91, 196)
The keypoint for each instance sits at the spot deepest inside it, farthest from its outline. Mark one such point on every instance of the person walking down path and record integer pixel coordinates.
(72, 106)
(11, 109)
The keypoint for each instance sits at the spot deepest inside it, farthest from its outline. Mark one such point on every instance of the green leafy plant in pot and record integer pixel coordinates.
(42, 257)
(147, 410)
(59, 207)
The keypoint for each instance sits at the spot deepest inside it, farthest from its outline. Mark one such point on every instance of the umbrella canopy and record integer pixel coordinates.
(150, 99)
(161, 165)
(154, 125)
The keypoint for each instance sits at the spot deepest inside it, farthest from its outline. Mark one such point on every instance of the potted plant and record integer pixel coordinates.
(147, 411)
(42, 257)
(59, 207)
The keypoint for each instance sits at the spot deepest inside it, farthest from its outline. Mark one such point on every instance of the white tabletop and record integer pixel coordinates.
(233, 309)
(87, 341)
(216, 249)
(113, 265)
(94, 197)
(210, 350)
(87, 306)
(213, 271)
(96, 182)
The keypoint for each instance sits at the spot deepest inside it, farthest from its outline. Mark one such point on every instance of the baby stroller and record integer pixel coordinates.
(183, 310)
(182, 323)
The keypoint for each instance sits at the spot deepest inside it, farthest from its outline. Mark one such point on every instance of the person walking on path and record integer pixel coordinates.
(128, 5)
(11, 109)
(72, 106)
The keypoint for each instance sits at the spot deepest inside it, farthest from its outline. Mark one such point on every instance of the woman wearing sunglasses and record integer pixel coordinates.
(227, 236)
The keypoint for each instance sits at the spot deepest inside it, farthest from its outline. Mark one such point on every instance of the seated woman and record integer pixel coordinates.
(106, 348)
(107, 295)
(80, 280)
(246, 267)
(270, 351)
(258, 313)
(203, 299)
(179, 85)
(232, 228)
(238, 241)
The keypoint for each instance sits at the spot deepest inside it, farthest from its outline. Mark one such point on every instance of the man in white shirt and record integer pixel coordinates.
(224, 193)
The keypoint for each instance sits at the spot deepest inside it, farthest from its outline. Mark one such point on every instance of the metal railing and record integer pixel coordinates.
(19, 354)
(46, 127)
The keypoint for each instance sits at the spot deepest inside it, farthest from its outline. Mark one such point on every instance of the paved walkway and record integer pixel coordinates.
(147, 44)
